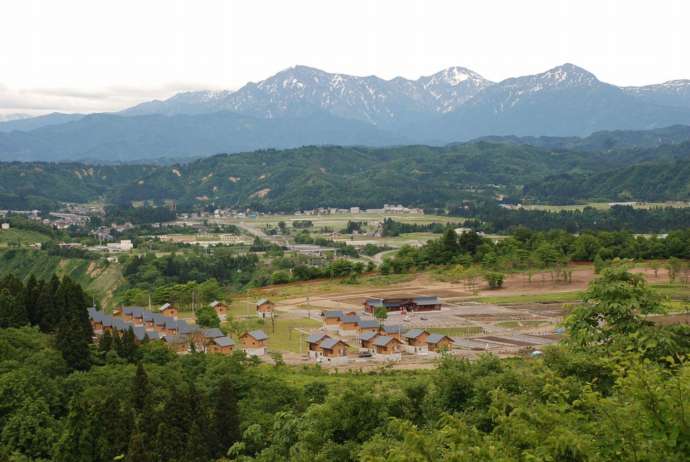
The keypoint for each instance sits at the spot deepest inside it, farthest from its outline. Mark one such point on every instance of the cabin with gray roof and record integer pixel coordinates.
(334, 351)
(404, 304)
(367, 325)
(254, 343)
(331, 319)
(349, 325)
(438, 343)
(387, 348)
(416, 341)
(221, 345)
(168, 310)
(366, 340)
(220, 308)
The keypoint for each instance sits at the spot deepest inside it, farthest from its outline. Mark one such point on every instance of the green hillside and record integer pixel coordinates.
(99, 278)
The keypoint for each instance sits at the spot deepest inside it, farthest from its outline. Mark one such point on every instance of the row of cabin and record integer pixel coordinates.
(178, 334)
(414, 341)
(403, 304)
(348, 324)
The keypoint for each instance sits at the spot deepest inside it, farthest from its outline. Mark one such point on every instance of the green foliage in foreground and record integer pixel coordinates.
(619, 389)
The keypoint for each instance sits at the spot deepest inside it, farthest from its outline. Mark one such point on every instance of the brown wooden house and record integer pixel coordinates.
(438, 343)
(222, 345)
(416, 341)
(254, 343)
(168, 310)
(334, 350)
(387, 347)
(264, 308)
(220, 308)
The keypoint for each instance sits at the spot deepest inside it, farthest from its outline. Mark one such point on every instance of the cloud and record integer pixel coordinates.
(36, 101)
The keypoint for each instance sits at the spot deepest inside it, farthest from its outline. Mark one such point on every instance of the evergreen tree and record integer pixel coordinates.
(74, 332)
(128, 346)
(12, 311)
(31, 292)
(225, 417)
(136, 450)
(141, 391)
(79, 437)
(106, 342)
(47, 309)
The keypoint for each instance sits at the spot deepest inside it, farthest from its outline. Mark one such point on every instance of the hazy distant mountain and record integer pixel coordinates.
(119, 138)
(32, 123)
(303, 105)
(602, 140)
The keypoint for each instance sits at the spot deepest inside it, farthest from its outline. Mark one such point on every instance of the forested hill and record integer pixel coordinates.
(311, 176)
(606, 140)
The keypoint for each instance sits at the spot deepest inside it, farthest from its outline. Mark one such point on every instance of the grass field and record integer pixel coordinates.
(554, 297)
(605, 206)
(22, 237)
(289, 333)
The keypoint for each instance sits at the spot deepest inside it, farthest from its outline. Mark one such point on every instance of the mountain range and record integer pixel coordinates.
(306, 106)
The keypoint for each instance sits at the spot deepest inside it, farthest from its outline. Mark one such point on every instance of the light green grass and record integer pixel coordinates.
(13, 236)
(289, 333)
(554, 297)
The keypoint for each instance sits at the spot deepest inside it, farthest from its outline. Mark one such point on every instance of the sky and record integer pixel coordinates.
(103, 55)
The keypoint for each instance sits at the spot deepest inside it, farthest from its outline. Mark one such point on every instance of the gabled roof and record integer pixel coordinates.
(368, 323)
(330, 343)
(214, 332)
(383, 340)
(368, 336)
(159, 319)
(107, 320)
(184, 328)
(165, 307)
(316, 337)
(257, 334)
(262, 301)
(413, 333)
(215, 303)
(223, 341)
(392, 329)
(170, 323)
(427, 301)
(435, 338)
(333, 314)
(91, 310)
(377, 302)
(148, 316)
(153, 335)
(121, 325)
(139, 332)
(350, 319)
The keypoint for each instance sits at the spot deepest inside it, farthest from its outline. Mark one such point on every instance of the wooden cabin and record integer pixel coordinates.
(387, 348)
(439, 342)
(168, 310)
(409, 303)
(254, 343)
(221, 345)
(391, 331)
(313, 348)
(416, 341)
(334, 350)
(331, 319)
(349, 325)
(367, 325)
(264, 308)
(220, 308)
(366, 340)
